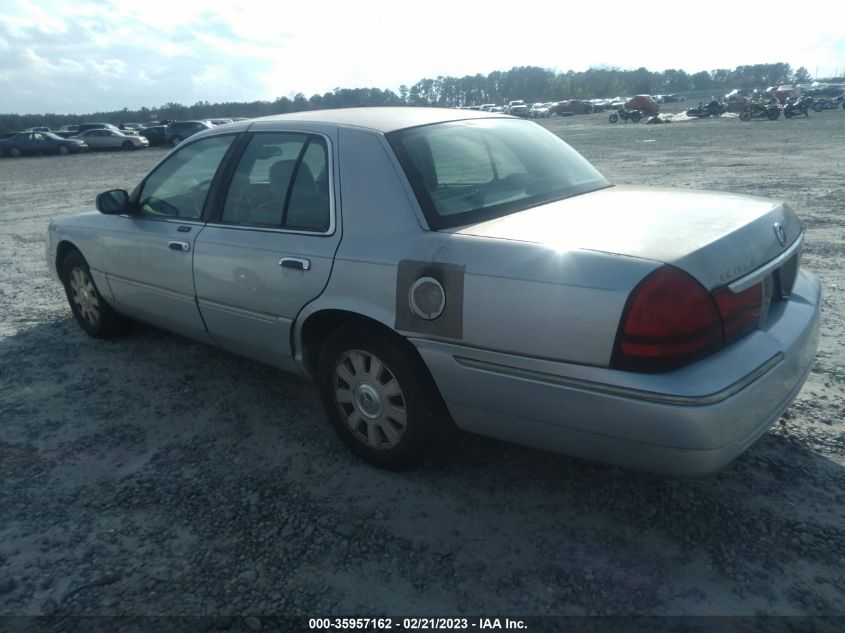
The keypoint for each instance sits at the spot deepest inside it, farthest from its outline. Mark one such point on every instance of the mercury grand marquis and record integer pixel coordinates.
(425, 264)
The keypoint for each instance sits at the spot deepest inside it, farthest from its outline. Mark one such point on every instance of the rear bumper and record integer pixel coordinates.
(690, 421)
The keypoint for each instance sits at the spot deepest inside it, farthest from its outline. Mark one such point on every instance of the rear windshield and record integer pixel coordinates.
(464, 172)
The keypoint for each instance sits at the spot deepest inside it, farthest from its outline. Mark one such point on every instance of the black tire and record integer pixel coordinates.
(773, 115)
(818, 107)
(386, 414)
(127, 145)
(176, 140)
(91, 311)
(613, 118)
(63, 150)
(14, 152)
(636, 117)
(787, 114)
(745, 115)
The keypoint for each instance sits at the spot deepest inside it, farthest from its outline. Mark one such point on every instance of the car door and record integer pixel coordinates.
(151, 250)
(269, 248)
(37, 142)
(95, 139)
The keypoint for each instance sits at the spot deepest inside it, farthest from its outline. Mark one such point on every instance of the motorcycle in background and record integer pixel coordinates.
(633, 115)
(713, 108)
(796, 107)
(759, 110)
(829, 104)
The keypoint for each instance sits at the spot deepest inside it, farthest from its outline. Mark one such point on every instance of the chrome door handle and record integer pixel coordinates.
(179, 246)
(297, 263)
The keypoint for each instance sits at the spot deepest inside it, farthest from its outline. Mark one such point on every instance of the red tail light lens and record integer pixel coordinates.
(740, 312)
(670, 320)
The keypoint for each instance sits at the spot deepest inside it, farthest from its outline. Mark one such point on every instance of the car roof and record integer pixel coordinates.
(383, 120)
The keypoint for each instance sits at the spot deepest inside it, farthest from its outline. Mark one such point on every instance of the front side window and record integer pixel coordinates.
(178, 188)
(281, 182)
(464, 172)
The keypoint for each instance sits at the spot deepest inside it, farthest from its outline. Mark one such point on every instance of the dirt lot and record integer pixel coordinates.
(152, 475)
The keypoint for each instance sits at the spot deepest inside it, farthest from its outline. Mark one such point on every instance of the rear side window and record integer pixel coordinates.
(464, 172)
(281, 181)
(179, 186)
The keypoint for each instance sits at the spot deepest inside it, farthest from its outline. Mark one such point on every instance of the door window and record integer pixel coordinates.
(178, 188)
(281, 182)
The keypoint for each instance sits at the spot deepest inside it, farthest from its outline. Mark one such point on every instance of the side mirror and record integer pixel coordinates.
(113, 202)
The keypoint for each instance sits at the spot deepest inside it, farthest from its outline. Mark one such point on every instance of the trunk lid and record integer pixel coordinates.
(715, 237)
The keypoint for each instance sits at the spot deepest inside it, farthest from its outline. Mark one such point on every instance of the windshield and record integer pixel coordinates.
(468, 171)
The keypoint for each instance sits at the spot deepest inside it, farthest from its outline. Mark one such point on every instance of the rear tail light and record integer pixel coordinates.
(740, 312)
(671, 320)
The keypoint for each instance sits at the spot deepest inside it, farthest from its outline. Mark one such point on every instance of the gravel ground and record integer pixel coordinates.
(156, 476)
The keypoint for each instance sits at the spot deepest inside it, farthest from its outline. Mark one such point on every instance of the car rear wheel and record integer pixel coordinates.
(378, 396)
(14, 152)
(63, 150)
(89, 308)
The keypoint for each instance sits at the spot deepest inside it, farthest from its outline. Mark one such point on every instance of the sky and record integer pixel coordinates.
(83, 56)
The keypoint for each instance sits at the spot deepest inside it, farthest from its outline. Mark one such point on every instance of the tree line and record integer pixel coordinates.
(530, 83)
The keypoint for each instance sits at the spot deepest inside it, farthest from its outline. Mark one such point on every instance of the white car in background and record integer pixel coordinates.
(539, 111)
(111, 139)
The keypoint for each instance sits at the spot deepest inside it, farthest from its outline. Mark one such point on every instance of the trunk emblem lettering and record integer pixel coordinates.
(780, 233)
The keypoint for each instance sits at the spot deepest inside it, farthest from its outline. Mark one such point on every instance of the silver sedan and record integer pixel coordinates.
(433, 265)
(111, 139)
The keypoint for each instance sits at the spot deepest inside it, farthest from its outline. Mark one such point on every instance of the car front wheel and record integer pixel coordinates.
(63, 150)
(378, 396)
(89, 308)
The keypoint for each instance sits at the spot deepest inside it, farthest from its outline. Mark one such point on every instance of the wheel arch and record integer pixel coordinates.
(64, 247)
(319, 325)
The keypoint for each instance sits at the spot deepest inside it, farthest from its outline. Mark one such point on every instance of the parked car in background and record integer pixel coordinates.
(572, 106)
(39, 143)
(38, 129)
(539, 111)
(536, 302)
(178, 131)
(103, 138)
(485, 107)
(156, 135)
(520, 110)
(216, 122)
(513, 104)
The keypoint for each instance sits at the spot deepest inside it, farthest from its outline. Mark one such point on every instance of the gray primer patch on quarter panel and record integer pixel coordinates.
(450, 324)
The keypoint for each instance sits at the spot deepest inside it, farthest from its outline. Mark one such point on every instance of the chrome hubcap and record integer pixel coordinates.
(369, 399)
(84, 296)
